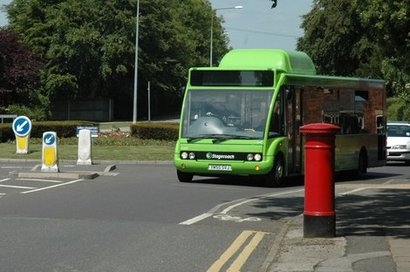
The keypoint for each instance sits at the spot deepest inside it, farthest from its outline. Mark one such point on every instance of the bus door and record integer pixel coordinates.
(293, 120)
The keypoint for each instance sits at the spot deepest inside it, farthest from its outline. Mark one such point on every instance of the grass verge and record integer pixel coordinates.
(129, 149)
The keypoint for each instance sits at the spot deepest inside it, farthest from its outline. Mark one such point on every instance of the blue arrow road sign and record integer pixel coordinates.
(22, 126)
(49, 138)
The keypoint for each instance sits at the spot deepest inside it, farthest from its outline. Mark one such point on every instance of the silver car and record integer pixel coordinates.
(398, 141)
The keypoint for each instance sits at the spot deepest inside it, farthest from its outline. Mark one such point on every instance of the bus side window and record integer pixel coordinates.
(350, 125)
(274, 125)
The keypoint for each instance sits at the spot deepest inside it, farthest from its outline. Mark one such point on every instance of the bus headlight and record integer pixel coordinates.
(253, 157)
(184, 155)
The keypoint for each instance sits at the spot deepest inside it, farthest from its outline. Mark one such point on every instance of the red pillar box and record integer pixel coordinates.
(319, 212)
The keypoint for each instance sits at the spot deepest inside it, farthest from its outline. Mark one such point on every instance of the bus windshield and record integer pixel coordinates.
(225, 114)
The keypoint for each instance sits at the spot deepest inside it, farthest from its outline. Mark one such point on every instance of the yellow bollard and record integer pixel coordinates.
(49, 152)
(22, 127)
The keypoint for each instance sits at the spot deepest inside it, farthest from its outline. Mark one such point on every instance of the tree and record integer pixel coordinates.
(389, 22)
(89, 47)
(360, 38)
(19, 71)
(335, 41)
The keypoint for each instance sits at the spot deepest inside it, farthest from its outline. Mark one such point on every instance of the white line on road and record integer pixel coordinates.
(42, 180)
(210, 213)
(388, 183)
(53, 186)
(226, 210)
(17, 187)
(196, 219)
(6, 179)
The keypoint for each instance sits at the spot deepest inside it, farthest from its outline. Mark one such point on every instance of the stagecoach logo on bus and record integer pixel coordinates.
(213, 156)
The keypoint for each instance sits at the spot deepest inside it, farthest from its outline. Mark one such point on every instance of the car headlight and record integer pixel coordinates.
(399, 147)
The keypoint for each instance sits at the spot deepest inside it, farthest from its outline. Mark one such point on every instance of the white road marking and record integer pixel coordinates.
(17, 187)
(212, 212)
(196, 219)
(227, 217)
(371, 186)
(6, 179)
(53, 186)
(42, 180)
(226, 210)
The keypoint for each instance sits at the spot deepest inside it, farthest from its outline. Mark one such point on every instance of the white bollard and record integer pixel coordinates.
(84, 147)
(49, 153)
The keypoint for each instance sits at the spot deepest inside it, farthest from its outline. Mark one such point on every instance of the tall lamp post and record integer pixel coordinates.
(212, 31)
(134, 112)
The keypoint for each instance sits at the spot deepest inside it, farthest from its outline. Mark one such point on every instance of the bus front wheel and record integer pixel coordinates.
(184, 177)
(275, 177)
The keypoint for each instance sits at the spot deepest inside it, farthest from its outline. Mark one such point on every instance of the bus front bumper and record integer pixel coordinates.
(217, 168)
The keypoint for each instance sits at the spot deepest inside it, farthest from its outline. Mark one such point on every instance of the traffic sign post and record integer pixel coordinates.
(22, 129)
(49, 154)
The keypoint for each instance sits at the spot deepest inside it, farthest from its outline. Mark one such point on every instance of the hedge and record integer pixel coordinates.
(64, 129)
(156, 131)
(67, 129)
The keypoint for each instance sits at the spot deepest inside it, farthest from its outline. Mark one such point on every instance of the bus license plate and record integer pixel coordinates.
(213, 167)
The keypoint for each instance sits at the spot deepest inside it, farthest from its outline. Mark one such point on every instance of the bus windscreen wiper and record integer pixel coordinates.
(199, 137)
(223, 137)
(217, 138)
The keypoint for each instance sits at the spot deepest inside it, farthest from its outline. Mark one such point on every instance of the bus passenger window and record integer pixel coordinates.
(274, 125)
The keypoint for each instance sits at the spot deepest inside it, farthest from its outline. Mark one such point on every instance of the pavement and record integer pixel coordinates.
(372, 227)
(372, 234)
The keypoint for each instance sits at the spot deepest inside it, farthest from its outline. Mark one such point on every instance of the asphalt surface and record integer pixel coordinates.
(372, 225)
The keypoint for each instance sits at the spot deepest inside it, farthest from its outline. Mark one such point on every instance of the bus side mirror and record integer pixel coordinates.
(182, 89)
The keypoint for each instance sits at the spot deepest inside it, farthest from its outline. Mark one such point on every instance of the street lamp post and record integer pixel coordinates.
(134, 112)
(212, 31)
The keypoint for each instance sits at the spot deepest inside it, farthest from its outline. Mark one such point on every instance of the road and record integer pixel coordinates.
(140, 218)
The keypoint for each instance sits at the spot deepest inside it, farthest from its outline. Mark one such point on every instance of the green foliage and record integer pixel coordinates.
(158, 131)
(19, 70)
(64, 129)
(34, 113)
(6, 133)
(398, 109)
(367, 38)
(89, 47)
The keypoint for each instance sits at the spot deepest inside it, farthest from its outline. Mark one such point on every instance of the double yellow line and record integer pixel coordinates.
(243, 256)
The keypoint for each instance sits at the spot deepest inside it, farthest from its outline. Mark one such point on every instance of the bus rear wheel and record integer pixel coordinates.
(275, 177)
(184, 177)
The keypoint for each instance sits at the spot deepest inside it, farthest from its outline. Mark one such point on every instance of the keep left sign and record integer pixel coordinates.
(22, 127)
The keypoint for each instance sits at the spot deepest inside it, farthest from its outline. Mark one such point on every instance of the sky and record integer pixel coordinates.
(256, 25)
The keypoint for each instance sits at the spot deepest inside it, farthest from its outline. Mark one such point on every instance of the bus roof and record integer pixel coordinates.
(292, 62)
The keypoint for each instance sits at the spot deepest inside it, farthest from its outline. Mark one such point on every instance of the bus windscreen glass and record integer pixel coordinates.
(227, 113)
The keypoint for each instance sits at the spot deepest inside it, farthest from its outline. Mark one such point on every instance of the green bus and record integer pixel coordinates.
(243, 117)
